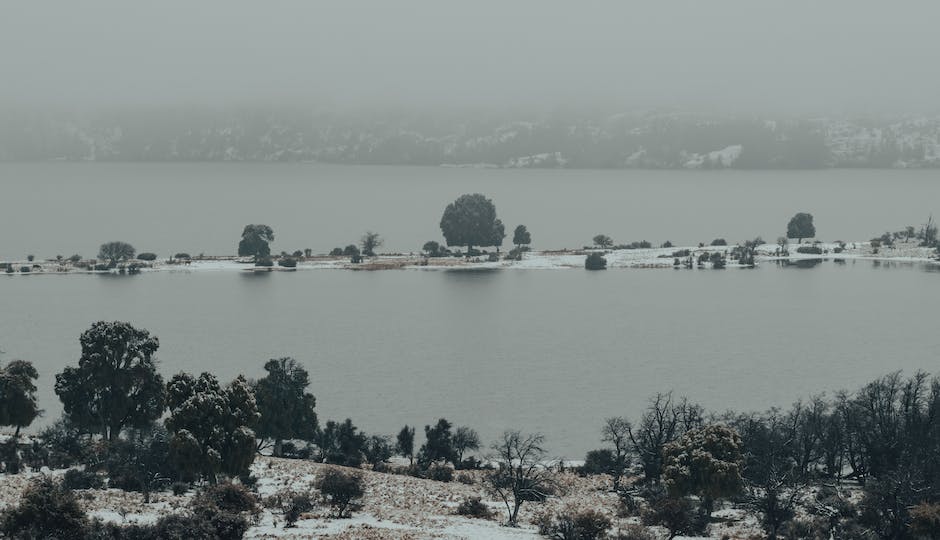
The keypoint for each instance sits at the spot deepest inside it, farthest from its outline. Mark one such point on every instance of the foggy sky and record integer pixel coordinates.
(742, 55)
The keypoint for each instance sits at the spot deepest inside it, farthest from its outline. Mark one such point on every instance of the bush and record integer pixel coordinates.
(297, 504)
(336, 252)
(147, 256)
(439, 473)
(719, 242)
(568, 525)
(599, 462)
(179, 488)
(633, 532)
(228, 497)
(465, 478)
(76, 479)
(287, 262)
(25, 269)
(492, 257)
(474, 507)
(666, 244)
(46, 509)
(341, 489)
(925, 520)
(812, 250)
(676, 514)
(101, 267)
(183, 256)
(266, 262)
(595, 261)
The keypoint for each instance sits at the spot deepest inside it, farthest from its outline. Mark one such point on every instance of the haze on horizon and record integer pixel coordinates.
(730, 55)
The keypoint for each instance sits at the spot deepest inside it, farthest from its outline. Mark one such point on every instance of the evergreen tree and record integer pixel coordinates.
(254, 242)
(439, 444)
(521, 236)
(705, 462)
(212, 426)
(471, 221)
(405, 443)
(285, 406)
(801, 226)
(116, 384)
(18, 395)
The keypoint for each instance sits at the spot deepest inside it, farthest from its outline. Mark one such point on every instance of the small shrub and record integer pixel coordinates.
(474, 507)
(287, 262)
(147, 256)
(568, 525)
(925, 520)
(719, 242)
(465, 478)
(595, 261)
(25, 269)
(812, 250)
(439, 473)
(297, 504)
(633, 532)
(101, 267)
(182, 256)
(76, 479)
(228, 497)
(46, 509)
(341, 489)
(266, 262)
(666, 244)
(492, 257)
(179, 488)
(599, 462)
(675, 514)
(336, 252)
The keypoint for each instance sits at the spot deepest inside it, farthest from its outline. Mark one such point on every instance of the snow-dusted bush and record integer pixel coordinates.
(47, 509)
(297, 504)
(575, 525)
(474, 507)
(342, 489)
(76, 479)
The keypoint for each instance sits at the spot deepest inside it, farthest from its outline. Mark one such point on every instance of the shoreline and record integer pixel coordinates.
(558, 259)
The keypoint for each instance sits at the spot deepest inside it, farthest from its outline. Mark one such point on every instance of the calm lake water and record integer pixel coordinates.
(543, 350)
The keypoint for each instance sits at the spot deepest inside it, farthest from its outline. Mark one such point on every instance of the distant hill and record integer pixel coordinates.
(626, 140)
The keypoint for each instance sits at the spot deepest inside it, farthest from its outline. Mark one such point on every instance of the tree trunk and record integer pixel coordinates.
(515, 512)
(16, 434)
(278, 444)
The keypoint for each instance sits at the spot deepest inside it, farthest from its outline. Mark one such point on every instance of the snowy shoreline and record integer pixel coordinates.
(665, 258)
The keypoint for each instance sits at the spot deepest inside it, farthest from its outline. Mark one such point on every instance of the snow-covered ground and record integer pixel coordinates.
(394, 506)
(533, 260)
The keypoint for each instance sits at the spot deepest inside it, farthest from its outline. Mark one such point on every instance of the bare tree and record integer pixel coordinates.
(370, 242)
(522, 474)
(616, 431)
(663, 422)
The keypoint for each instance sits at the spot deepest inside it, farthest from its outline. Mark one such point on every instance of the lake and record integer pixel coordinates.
(541, 350)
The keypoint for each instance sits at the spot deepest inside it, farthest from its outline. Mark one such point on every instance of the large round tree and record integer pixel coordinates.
(471, 221)
(116, 384)
(18, 395)
(801, 226)
(254, 242)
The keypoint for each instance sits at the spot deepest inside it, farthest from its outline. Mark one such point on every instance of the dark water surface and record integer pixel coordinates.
(548, 350)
